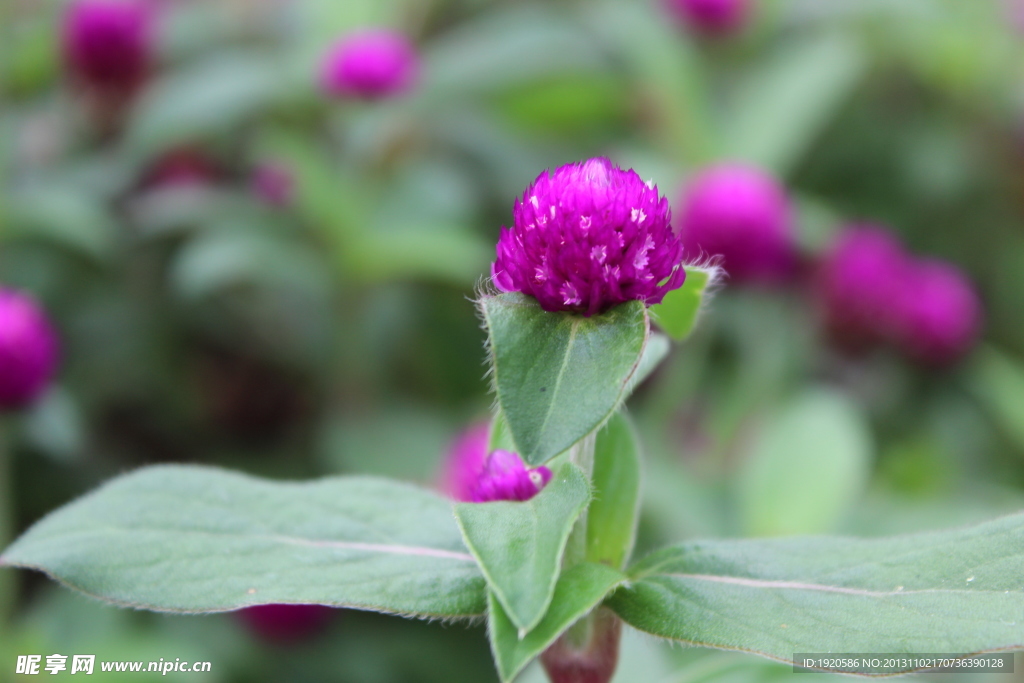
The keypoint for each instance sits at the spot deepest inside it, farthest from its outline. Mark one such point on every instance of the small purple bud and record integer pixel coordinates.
(284, 624)
(274, 184)
(587, 237)
(370, 64)
(28, 350)
(471, 475)
(711, 17)
(859, 283)
(743, 215)
(108, 44)
(940, 315)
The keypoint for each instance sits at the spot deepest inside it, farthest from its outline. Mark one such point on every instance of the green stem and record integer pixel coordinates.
(582, 455)
(6, 522)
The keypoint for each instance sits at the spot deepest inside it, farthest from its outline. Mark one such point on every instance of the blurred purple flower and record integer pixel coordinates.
(371, 64)
(587, 237)
(939, 314)
(742, 214)
(286, 623)
(28, 350)
(274, 184)
(860, 281)
(711, 17)
(108, 44)
(472, 475)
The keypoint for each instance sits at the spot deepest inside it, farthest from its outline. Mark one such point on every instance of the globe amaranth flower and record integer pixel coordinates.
(108, 44)
(587, 237)
(473, 475)
(741, 214)
(859, 282)
(370, 64)
(711, 17)
(939, 313)
(28, 350)
(286, 623)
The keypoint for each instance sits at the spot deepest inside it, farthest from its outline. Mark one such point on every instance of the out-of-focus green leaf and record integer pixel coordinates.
(558, 376)
(197, 539)
(207, 99)
(579, 590)
(810, 464)
(678, 311)
(445, 254)
(999, 381)
(519, 545)
(54, 425)
(612, 516)
(224, 258)
(948, 591)
(62, 215)
(783, 104)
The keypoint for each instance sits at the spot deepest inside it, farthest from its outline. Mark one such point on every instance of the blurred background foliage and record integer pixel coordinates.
(333, 332)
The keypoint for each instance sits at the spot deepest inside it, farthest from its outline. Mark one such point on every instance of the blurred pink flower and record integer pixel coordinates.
(286, 623)
(28, 350)
(742, 214)
(472, 475)
(108, 44)
(274, 184)
(587, 237)
(370, 64)
(711, 17)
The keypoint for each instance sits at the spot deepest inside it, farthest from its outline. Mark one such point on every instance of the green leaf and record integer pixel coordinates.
(998, 380)
(949, 591)
(519, 545)
(809, 467)
(677, 314)
(612, 517)
(579, 590)
(655, 351)
(558, 376)
(785, 103)
(197, 539)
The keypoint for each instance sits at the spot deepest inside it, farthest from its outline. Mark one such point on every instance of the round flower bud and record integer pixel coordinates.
(742, 215)
(108, 44)
(286, 623)
(939, 314)
(472, 475)
(370, 64)
(28, 350)
(587, 237)
(859, 282)
(711, 17)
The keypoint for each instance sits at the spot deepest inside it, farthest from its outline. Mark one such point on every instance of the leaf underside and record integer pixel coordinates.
(199, 539)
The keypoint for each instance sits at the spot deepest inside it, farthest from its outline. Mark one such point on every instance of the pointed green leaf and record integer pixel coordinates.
(957, 591)
(558, 376)
(612, 517)
(677, 313)
(198, 539)
(519, 545)
(579, 590)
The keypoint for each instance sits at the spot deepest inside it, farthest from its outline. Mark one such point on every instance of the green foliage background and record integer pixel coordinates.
(335, 335)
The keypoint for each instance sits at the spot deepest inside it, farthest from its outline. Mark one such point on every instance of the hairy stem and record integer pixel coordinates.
(582, 454)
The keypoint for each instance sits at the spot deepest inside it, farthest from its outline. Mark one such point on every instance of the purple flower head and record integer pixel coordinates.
(860, 282)
(472, 475)
(505, 477)
(939, 314)
(28, 350)
(743, 215)
(274, 184)
(588, 237)
(711, 17)
(370, 64)
(286, 623)
(108, 44)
